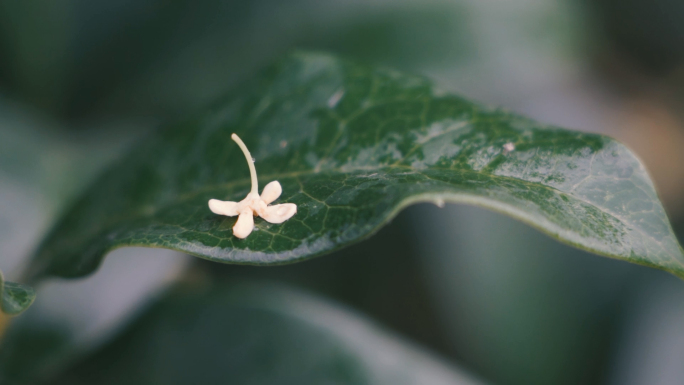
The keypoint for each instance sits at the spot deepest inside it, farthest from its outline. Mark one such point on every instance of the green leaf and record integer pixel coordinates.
(30, 352)
(15, 297)
(256, 334)
(352, 145)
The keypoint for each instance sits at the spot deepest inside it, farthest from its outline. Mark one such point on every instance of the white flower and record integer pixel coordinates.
(254, 204)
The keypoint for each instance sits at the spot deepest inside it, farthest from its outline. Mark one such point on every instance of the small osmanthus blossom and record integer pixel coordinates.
(254, 204)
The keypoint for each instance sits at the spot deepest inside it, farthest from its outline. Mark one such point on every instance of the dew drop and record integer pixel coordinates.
(253, 160)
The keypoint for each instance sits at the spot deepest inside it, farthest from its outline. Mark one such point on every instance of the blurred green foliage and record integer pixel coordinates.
(256, 334)
(81, 79)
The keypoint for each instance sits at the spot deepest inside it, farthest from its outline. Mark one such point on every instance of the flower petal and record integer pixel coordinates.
(223, 207)
(271, 192)
(279, 213)
(244, 225)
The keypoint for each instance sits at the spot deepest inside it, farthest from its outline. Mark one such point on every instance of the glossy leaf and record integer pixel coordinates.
(256, 334)
(352, 145)
(15, 297)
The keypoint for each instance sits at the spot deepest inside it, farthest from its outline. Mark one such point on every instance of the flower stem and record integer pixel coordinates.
(250, 163)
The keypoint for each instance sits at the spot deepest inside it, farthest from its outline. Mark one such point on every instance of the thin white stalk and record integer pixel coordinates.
(250, 163)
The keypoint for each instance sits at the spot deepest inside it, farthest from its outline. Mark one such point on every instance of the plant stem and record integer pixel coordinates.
(250, 163)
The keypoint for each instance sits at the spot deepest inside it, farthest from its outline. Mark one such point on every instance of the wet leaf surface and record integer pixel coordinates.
(352, 145)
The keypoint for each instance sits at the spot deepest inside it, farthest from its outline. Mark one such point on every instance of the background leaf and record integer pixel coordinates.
(352, 145)
(256, 334)
(15, 297)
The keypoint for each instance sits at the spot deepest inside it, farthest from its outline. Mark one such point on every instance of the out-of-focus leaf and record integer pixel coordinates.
(15, 297)
(352, 145)
(507, 303)
(29, 350)
(74, 317)
(257, 334)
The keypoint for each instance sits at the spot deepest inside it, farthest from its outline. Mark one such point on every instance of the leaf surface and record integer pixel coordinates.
(15, 297)
(352, 145)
